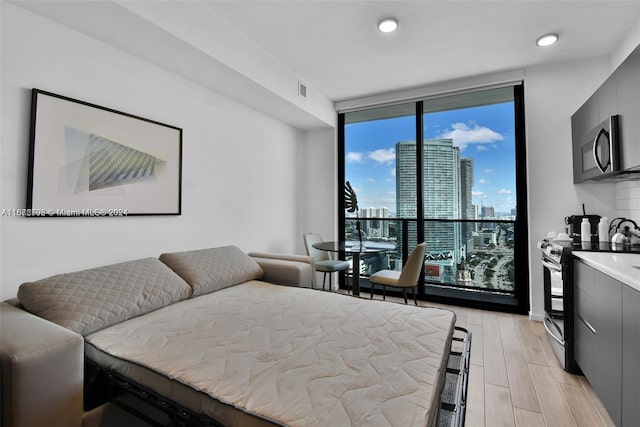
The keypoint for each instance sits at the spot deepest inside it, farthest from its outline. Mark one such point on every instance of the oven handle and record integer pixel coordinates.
(550, 266)
(551, 334)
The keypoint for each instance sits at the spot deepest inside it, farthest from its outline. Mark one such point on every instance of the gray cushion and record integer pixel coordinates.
(209, 270)
(90, 300)
(331, 265)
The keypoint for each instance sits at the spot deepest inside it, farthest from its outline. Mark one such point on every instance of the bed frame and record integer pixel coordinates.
(159, 411)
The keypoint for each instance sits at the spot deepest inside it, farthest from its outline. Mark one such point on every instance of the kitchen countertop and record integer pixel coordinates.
(624, 267)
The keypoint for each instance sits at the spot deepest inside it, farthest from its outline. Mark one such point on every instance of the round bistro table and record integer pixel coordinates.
(353, 247)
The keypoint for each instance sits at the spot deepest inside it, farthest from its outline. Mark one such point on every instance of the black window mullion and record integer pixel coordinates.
(520, 250)
(419, 170)
(341, 180)
(420, 182)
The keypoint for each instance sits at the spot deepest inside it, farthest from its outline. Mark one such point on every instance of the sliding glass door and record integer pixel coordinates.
(447, 171)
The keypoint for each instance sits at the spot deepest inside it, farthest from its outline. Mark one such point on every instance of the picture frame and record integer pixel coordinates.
(89, 160)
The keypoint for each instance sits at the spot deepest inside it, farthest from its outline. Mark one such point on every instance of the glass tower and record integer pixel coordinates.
(375, 228)
(446, 182)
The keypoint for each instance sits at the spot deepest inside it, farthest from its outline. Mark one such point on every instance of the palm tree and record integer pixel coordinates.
(351, 205)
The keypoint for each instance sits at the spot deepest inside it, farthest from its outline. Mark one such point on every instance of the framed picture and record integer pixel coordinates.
(88, 160)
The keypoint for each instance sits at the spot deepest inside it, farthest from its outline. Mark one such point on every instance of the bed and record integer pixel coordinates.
(254, 353)
(263, 354)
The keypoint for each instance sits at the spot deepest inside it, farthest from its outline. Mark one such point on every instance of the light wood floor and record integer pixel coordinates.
(515, 378)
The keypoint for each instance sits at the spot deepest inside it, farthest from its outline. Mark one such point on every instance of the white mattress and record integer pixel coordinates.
(294, 356)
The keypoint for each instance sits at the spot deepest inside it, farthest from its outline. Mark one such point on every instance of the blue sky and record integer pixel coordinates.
(486, 133)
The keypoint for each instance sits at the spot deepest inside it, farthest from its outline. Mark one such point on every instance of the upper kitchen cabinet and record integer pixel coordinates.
(608, 99)
(614, 106)
(594, 133)
(585, 119)
(628, 84)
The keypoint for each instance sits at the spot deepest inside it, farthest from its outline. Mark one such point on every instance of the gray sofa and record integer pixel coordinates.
(41, 339)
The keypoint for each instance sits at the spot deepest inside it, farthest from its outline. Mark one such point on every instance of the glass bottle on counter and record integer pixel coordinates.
(585, 231)
(603, 230)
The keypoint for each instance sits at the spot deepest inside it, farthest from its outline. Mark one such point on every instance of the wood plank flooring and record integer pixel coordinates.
(515, 378)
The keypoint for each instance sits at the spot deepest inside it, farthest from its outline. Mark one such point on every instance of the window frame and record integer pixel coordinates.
(520, 298)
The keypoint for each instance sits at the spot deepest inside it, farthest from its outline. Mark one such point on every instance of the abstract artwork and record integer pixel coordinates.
(87, 160)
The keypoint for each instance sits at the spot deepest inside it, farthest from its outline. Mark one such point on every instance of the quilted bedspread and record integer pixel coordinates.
(297, 356)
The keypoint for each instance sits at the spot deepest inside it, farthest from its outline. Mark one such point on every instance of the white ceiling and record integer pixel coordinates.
(335, 44)
(256, 51)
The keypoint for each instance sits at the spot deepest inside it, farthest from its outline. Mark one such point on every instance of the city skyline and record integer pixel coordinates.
(484, 133)
(446, 196)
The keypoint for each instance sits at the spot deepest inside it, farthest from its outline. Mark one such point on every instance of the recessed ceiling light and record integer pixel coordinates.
(547, 40)
(388, 25)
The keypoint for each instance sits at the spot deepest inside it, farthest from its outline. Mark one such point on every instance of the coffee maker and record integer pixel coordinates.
(573, 226)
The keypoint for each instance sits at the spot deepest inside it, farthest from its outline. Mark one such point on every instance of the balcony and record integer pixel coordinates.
(465, 255)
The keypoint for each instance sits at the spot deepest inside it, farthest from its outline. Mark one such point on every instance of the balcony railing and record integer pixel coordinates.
(475, 255)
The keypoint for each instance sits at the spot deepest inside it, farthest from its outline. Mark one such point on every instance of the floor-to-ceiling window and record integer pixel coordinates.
(447, 171)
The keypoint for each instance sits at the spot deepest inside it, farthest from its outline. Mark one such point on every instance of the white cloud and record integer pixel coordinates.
(482, 181)
(370, 179)
(463, 135)
(478, 194)
(383, 155)
(355, 157)
(481, 148)
(392, 172)
(489, 171)
(504, 191)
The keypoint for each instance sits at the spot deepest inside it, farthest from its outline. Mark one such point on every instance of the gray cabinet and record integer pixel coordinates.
(607, 99)
(630, 356)
(598, 340)
(585, 124)
(607, 341)
(585, 119)
(628, 89)
(618, 95)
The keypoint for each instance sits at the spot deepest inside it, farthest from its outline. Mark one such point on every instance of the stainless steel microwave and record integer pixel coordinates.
(599, 154)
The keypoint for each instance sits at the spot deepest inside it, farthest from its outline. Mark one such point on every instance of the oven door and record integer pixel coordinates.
(554, 307)
(553, 289)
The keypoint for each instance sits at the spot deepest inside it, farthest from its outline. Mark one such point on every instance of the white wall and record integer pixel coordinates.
(320, 183)
(241, 169)
(552, 94)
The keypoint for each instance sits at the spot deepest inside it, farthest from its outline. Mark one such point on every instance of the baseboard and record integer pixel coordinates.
(536, 317)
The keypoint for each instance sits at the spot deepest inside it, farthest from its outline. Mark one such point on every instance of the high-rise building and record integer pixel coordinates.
(467, 208)
(378, 225)
(406, 180)
(442, 194)
(488, 212)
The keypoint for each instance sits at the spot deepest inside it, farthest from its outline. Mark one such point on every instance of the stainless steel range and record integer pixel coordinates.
(558, 299)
